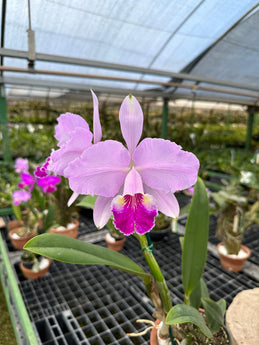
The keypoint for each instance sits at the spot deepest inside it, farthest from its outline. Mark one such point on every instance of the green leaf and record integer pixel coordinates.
(223, 306)
(49, 218)
(17, 211)
(195, 297)
(88, 201)
(36, 195)
(215, 312)
(204, 289)
(66, 249)
(195, 239)
(182, 313)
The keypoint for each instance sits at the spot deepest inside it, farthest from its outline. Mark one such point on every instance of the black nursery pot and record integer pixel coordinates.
(158, 235)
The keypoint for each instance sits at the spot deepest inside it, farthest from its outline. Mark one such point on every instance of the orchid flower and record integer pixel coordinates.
(132, 183)
(74, 137)
(20, 196)
(48, 183)
(26, 180)
(42, 171)
(21, 165)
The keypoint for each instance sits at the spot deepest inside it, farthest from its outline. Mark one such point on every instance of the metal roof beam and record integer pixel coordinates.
(76, 86)
(220, 99)
(133, 80)
(126, 68)
(119, 91)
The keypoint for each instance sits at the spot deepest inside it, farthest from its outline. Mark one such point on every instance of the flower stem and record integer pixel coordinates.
(156, 272)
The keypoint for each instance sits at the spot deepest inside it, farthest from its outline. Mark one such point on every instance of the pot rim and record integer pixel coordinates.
(245, 249)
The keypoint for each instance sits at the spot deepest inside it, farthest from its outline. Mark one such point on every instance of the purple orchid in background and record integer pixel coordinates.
(42, 171)
(21, 165)
(48, 183)
(131, 184)
(26, 180)
(20, 196)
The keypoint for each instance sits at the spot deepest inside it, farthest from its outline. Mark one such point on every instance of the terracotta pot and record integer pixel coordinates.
(30, 274)
(72, 232)
(114, 245)
(18, 243)
(12, 224)
(233, 263)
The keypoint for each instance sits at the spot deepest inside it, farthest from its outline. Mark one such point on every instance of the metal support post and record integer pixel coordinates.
(165, 119)
(4, 129)
(250, 121)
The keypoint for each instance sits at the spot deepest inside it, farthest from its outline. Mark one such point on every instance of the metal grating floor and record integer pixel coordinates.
(76, 304)
(92, 305)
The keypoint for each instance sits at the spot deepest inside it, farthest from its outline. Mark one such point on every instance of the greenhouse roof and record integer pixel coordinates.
(191, 49)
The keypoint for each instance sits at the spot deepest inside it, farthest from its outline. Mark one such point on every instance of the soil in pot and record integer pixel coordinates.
(28, 273)
(19, 239)
(71, 230)
(114, 243)
(233, 263)
(221, 338)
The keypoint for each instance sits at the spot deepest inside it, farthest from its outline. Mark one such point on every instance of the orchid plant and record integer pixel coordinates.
(131, 185)
(30, 201)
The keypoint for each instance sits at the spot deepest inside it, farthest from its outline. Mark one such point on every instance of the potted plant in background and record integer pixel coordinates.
(162, 227)
(66, 218)
(34, 212)
(147, 175)
(114, 238)
(34, 266)
(234, 216)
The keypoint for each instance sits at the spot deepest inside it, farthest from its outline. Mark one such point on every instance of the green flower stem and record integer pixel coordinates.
(156, 272)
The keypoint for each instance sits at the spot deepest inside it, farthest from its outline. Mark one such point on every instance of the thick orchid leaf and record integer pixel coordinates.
(17, 211)
(214, 312)
(195, 297)
(194, 252)
(182, 313)
(50, 217)
(66, 249)
(88, 201)
(204, 289)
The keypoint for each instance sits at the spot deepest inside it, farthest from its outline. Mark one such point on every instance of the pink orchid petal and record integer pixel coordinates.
(164, 166)
(131, 120)
(97, 124)
(134, 213)
(21, 165)
(100, 170)
(102, 211)
(165, 202)
(80, 140)
(66, 124)
(133, 183)
(72, 199)
(20, 196)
